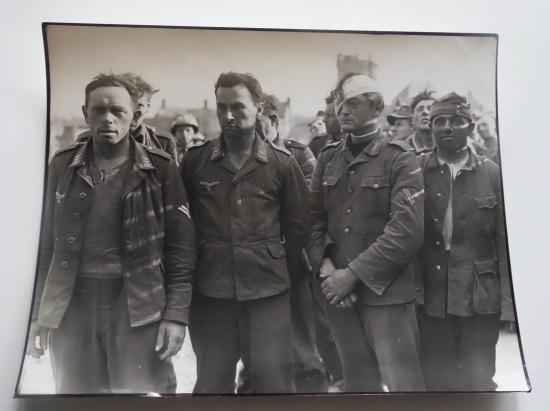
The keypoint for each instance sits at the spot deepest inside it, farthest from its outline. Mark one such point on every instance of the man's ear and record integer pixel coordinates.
(260, 108)
(85, 113)
(138, 114)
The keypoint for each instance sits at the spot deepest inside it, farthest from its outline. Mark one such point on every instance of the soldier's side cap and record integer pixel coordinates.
(452, 103)
(355, 86)
(400, 112)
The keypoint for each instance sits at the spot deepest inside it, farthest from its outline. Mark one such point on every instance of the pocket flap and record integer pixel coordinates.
(330, 180)
(276, 249)
(375, 182)
(486, 266)
(486, 201)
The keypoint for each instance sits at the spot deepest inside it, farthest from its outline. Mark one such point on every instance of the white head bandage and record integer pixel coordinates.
(355, 86)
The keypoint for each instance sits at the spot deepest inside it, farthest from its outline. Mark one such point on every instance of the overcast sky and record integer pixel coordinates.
(185, 63)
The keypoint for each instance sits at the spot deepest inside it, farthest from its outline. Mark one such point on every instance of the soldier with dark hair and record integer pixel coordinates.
(117, 254)
(421, 140)
(250, 203)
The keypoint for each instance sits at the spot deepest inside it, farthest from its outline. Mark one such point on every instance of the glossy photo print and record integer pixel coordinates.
(260, 211)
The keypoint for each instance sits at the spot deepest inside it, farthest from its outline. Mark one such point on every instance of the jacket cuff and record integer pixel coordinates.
(376, 286)
(177, 317)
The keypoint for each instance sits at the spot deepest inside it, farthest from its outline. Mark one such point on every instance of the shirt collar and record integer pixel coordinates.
(259, 149)
(372, 149)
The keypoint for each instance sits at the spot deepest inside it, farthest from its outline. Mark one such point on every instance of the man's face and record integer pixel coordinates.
(331, 121)
(109, 113)
(236, 110)
(355, 113)
(184, 135)
(421, 115)
(317, 127)
(451, 132)
(484, 129)
(142, 105)
(402, 128)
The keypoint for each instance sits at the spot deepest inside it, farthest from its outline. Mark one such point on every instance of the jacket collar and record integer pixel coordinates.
(259, 149)
(372, 149)
(471, 163)
(138, 153)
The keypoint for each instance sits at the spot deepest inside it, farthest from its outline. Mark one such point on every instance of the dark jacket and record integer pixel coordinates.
(251, 223)
(368, 215)
(149, 137)
(303, 155)
(477, 269)
(158, 244)
(319, 142)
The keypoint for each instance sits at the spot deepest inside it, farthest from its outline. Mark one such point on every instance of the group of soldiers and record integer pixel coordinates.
(370, 261)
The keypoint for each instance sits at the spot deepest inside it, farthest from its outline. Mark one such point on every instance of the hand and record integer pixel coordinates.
(338, 284)
(327, 267)
(170, 338)
(37, 332)
(347, 302)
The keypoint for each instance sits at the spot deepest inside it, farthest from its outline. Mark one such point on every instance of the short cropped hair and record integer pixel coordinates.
(423, 95)
(112, 80)
(144, 88)
(232, 79)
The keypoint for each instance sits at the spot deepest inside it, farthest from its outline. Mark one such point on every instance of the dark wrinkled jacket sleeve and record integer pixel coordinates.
(403, 235)
(318, 239)
(294, 216)
(45, 247)
(179, 247)
(307, 165)
(507, 307)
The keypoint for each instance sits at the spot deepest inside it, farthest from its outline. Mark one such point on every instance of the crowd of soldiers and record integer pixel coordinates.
(370, 260)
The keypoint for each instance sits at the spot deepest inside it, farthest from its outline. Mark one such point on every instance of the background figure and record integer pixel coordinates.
(114, 210)
(401, 121)
(464, 257)
(367, 215)
(421, 140)
(250, 205)
(185, 129)
(332, 128)
(487, 144)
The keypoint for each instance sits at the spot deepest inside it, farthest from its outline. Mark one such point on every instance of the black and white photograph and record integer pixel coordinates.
(261, 211)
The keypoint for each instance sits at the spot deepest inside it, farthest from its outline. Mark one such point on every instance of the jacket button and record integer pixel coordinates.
(437, 243)
(352, 172)
(83, 195)
(64, 264)
(127, 274)
(325, 183)
(239, 201)
(347, 230)
(77, 216)
(436, 220)
(442, 172)
(348, 211)
(350, 190)
(438, 195)
(438, 267)
(71, 240)
(375, 185)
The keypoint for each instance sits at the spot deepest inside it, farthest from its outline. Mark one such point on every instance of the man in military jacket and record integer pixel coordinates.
(250, 204)
(367, 216)
(463, 261)
(117, 254)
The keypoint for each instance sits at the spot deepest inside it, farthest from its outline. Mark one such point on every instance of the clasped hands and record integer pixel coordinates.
(338, 284)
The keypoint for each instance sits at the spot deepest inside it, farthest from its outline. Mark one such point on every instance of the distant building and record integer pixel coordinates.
(353, 64)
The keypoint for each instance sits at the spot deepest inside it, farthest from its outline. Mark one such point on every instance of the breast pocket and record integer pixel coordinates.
(329, 188)
(486, 206)
(376, 193)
